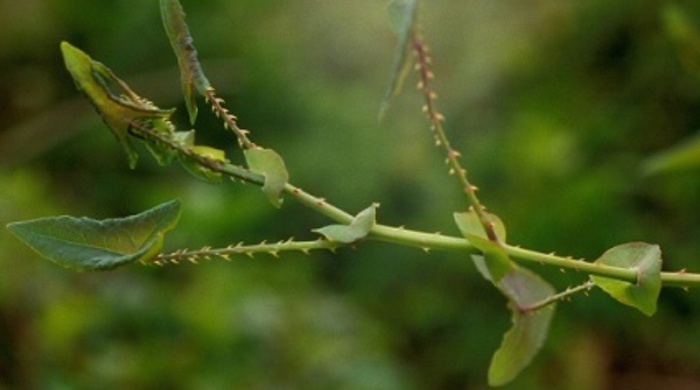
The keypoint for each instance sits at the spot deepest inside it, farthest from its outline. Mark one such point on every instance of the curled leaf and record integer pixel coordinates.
(269, 164)
(120, 111)
(358, 229)
(643, 258)
(191, 73)
(86, 244)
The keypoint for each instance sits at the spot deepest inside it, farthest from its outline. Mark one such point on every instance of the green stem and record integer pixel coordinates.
(423, 240)
(558, 297)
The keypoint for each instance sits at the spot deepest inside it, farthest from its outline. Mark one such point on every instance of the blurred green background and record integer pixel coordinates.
(554, 105)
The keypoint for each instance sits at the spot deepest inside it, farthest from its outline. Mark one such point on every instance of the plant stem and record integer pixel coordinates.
(441, 139)
(558, 297)
(423, 240)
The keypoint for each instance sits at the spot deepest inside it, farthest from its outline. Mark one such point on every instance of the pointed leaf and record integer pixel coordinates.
(358, 229)
(520, 344)
(402, 14)
(191, 73)
(269, 164)
(643, 258)
(88, 244)
(120, 110)
(495, 258)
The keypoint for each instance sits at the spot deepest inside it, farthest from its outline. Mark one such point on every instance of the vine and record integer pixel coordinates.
(630, 273)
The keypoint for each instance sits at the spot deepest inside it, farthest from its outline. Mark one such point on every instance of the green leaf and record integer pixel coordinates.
(358, 229)
(496, 260)
(645, 259)
(269, 164)
(120, 111)
(469, 223)
(191, 73)
(520, 344)
(88, 244)
(684, 156)
(403, 15)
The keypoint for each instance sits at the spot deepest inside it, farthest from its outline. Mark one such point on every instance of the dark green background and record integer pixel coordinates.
(554, 105)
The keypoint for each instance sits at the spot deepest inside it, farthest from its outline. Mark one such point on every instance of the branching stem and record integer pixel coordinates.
(441, 139)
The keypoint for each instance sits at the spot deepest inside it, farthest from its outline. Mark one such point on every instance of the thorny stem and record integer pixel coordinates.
(217, 105)
(423, 240)
(587, 286)
(441, 139)
(273, 249)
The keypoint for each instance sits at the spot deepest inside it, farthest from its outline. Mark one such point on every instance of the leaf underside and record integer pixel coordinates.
(87, 244)
(496, 259)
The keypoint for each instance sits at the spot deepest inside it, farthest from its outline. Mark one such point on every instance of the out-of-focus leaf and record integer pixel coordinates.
(403, 15)
(495, 257)
(269, 164)
(86, 244)
(118, 111)
(358, 229)
(685, 155)
(191, 73)
(197, 169)
(646, 260)
(520, 344)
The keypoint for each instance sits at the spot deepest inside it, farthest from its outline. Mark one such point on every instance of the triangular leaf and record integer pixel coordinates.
(645, 259)
(358, 229)
(520, 344)
(530, 328)
(402, 14)
(88, 244)
(495, 258)
(269, 164)
(191, 73)
(120, 111)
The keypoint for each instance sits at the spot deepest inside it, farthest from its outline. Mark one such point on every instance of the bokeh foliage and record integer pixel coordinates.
(554, 105)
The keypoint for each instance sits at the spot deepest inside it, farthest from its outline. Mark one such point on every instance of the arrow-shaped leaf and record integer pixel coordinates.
(358, 229)
(643, 258)
(86, 244)
(120, 111)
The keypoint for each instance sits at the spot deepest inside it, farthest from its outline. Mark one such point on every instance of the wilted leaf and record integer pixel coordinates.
(88, 244)
(191, 73)
(358, 229)
(269, 164)
(403, 15)
(645, 259)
